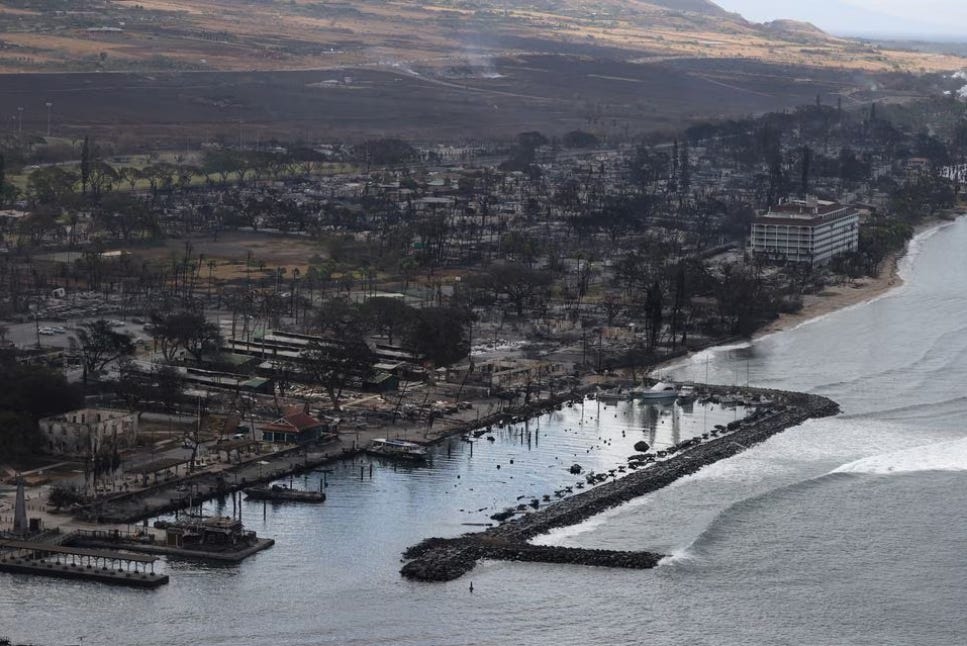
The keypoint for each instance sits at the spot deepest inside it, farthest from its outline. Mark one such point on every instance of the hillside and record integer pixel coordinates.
(436, 69)
(796, 29)
(696, 6)
(107, 35)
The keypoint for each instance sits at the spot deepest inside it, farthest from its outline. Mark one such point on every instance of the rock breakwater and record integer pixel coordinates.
(440, 559)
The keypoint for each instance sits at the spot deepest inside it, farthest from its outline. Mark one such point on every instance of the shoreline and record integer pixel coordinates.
(840, 297)
(853, 293)
(136, 506)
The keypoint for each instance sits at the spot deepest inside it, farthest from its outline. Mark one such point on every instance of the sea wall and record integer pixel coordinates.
(452, 559)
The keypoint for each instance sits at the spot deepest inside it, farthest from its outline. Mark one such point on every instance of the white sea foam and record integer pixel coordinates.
(699, 358)
(943, 456)
(563, 536)
(679, 556)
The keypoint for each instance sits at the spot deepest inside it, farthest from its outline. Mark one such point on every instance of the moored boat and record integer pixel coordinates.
(281, 493)
(686, 393)
(613, 396)
(662, 390)
(398, 449)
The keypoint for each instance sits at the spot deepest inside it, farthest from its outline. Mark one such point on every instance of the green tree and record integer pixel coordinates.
(441, 334)
(388, 315)
(519, 283)
(101, 178)
(184, 330)
(163, 386)
(100, 344)
(52, 185)
(28, 393)
(335, 365)
(19, 436)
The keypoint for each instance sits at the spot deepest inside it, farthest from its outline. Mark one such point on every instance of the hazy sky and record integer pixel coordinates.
(894, 17)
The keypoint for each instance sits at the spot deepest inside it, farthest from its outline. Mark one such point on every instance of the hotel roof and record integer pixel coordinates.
(805, 213)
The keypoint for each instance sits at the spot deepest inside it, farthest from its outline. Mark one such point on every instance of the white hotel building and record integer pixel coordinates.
(810, 231)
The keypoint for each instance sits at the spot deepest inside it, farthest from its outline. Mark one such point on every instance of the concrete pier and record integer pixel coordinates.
(226, 556)
(51, 560)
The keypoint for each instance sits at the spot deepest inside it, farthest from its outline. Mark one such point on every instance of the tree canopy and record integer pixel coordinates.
(28, 393)
(441, 334)
(184, 330)
(100, 344)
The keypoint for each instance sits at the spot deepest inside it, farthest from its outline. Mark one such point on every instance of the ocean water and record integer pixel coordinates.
(846, 530)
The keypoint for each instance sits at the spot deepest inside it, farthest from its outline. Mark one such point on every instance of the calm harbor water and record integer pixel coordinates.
(847, 530)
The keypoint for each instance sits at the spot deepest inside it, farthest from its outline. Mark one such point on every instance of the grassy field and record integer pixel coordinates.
(232, 250)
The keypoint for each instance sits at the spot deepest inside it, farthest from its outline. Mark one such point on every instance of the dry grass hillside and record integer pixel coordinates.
(163, 71)
(235, 35)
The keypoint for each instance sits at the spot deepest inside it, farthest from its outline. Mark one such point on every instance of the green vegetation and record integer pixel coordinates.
(27, 394)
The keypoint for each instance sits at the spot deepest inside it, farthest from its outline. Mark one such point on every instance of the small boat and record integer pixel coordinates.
(613, 396)
(660, 391)
(398, 449)
(281, 493)
(686, 393)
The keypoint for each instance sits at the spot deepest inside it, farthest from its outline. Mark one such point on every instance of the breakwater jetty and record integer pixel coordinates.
(439, 559)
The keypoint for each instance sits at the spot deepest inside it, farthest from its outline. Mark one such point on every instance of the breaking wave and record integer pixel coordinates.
(943, 456)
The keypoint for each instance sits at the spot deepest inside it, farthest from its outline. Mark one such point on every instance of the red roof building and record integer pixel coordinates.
(295, 427)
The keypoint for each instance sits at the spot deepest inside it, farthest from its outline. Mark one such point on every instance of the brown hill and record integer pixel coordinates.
(431, 69)
(695, 6)
(796, 29)
(170, 35)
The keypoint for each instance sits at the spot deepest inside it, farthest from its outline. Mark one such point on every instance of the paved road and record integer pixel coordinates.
(25, 334)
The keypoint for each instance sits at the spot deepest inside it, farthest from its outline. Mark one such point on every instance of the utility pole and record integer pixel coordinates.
(20, 119)
(49, 106)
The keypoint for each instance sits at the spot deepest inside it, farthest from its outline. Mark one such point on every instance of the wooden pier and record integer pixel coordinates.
(47, 559)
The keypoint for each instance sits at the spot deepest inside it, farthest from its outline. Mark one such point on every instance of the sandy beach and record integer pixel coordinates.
(852, 292)
(837, 297)
(840, 296)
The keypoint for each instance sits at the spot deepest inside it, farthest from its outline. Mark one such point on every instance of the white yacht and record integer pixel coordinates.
(663, 390)
(398, 449)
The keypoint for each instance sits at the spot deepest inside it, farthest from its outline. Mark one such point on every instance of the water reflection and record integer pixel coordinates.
(344, 554)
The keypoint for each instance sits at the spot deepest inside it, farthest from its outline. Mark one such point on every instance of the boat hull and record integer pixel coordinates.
(258, 493)
(402, 457)
(657, 396)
